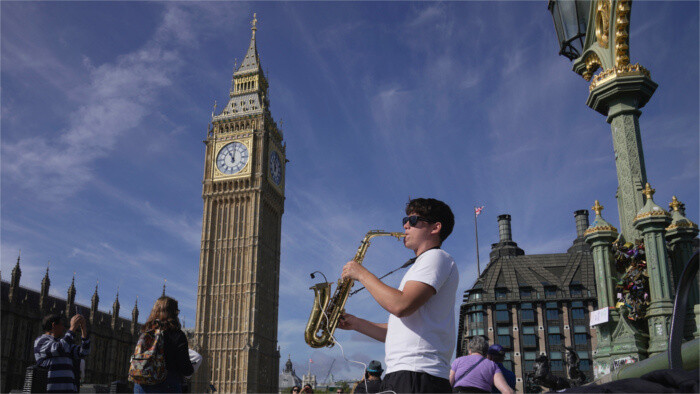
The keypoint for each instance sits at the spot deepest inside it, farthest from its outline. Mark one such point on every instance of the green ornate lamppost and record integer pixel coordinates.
(594, 35)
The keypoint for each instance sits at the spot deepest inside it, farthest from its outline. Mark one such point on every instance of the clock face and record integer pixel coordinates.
(275, 168)
(232, 158)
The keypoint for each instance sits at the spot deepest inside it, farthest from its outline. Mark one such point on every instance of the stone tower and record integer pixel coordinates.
(243, 192)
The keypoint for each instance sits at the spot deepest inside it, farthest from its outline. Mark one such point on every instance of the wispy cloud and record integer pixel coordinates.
(118, 97)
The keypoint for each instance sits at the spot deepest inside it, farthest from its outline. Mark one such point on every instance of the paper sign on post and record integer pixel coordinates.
(599, 316)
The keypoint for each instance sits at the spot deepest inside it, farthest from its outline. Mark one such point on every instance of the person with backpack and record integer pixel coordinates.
(56, 350)
(161, 359)
(474, 373)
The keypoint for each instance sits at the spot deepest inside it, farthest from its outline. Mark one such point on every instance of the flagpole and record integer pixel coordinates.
(476, 233)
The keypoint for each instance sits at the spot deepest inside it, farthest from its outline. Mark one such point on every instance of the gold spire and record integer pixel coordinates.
(254, 23)
(675, 204)
(597, 208)
(648, 191)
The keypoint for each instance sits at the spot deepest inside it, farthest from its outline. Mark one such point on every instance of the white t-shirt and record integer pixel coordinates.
(425, 340)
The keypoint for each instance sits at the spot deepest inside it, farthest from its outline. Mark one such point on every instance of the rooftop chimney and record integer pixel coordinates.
(581, 222)
(504, 228)
(505, 245)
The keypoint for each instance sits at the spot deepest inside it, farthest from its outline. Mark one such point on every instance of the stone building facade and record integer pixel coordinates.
(113, 338)
(533, 304)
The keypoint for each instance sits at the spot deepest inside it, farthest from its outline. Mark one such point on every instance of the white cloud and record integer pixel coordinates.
(117, 98)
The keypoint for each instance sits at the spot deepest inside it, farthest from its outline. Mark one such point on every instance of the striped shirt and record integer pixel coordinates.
(58, 356)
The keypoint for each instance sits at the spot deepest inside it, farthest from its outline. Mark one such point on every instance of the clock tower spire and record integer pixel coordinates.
(243, 192)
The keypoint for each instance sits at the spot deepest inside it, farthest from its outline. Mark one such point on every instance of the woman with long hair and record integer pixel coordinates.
(176, 351)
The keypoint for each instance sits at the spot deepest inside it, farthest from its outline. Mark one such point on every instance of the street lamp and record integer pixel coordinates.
(570, 21)
(594, 35)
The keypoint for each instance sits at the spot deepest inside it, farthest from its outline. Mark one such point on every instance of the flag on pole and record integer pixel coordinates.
(478, 210)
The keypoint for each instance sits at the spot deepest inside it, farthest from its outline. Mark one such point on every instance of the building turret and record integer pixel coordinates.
(14, 280)
(115, 311)
(135, 316)
(44, 295)
(681, 235)
(93, 305)
(164, 282)
(651, 223)
(70, 300)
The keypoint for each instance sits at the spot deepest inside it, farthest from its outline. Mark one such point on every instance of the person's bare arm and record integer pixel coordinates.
(452, 378)
(371, 329)
(500, 382)
(400, 303)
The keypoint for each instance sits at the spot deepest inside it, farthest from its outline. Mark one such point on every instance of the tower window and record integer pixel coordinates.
(585, 361)
(529, 361)
(501, 293)
(527, 314)
(526, 292)
(556, 362)
(502, 314)
(529, 337)
(576, 290)
(508, 361)
(504, 337)
(477, 317)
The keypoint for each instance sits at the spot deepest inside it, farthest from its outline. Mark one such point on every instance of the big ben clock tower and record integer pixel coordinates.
(243, 192)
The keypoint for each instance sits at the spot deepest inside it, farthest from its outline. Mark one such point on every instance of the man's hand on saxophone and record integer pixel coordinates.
(371, 329)
(354, 270)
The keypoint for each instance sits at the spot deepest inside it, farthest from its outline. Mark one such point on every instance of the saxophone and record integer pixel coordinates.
(327, 310)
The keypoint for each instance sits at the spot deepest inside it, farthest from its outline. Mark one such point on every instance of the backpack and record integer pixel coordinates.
(148, 362)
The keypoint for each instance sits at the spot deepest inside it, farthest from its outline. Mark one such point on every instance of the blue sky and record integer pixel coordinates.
(105, 106)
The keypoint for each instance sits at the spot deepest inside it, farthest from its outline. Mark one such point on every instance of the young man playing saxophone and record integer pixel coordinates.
(420, 334)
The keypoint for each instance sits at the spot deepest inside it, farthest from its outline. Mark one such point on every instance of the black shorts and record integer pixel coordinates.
(415, 382)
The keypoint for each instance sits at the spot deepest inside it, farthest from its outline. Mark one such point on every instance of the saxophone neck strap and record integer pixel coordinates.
(405, 265)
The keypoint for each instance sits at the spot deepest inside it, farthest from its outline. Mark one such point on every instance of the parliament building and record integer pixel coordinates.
(533, 304)
(113, 338)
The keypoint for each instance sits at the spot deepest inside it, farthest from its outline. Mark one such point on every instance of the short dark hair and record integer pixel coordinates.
(435, 211)
(48, 321)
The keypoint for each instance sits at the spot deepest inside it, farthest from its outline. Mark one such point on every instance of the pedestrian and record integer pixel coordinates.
(497, 355)
(56, 350)
(372, 383)
(307, 389)
(474, 373)
(176, 350)
(295, 390)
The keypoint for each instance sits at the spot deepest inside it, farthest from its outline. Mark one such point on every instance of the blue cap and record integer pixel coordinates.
(374, 366)
(496, 349)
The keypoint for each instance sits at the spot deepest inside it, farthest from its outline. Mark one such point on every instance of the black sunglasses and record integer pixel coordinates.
(414, 219)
